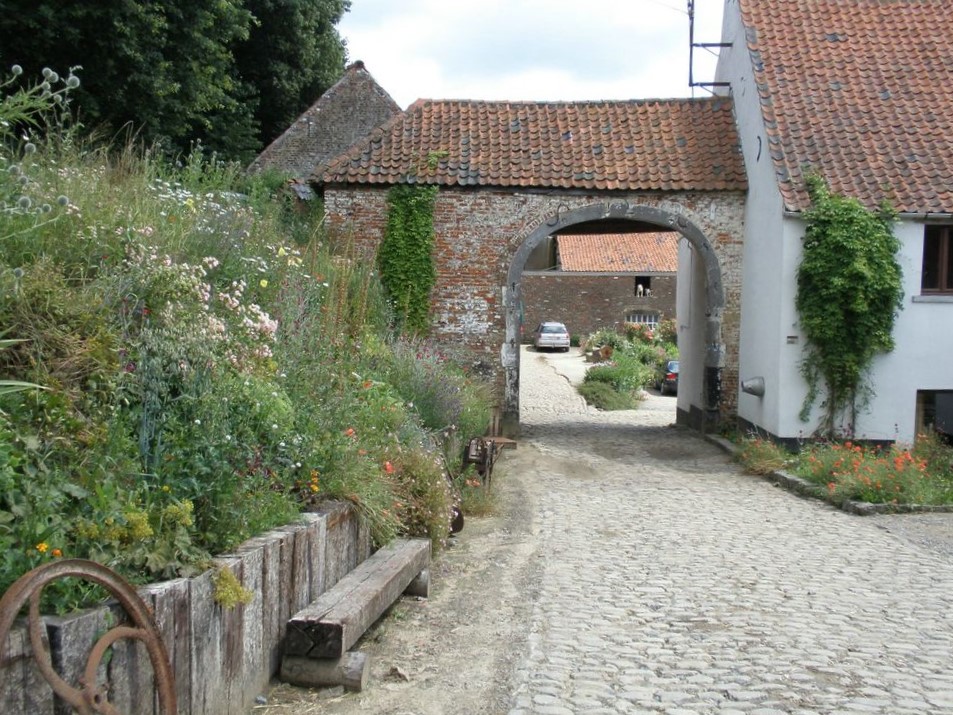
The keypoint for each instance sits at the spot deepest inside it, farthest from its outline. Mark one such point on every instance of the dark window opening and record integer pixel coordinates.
(935, 413)
(937, 276)
(643, 285)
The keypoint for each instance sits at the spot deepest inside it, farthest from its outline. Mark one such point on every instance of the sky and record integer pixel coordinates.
(531, 50)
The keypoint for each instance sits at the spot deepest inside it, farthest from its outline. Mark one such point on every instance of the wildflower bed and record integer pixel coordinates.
(188, 361)
(897, 478)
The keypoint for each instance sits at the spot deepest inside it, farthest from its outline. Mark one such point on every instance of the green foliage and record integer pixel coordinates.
(624, 373)
(921, 474)
(228, 591)
(208, 377)
(637, 352)
(849, 290)
(405, 255)
(227, 73)
(604, 396)
(762, 456)
(292, 55)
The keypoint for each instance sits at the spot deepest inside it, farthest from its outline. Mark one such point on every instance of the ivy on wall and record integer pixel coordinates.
(849, 291)
(405, 255)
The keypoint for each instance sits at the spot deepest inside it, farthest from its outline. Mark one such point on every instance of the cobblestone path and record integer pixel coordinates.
(669, 582)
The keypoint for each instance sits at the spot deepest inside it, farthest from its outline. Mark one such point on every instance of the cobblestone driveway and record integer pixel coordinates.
(669, 582)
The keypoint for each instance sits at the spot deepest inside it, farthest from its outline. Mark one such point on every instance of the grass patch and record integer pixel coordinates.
(604, 396)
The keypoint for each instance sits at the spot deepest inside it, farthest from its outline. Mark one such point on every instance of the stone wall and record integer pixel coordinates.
(478, 232)
(221, 658)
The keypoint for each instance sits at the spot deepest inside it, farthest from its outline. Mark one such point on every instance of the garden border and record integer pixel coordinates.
(804, 488)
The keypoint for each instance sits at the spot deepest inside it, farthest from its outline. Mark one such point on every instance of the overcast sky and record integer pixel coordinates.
(546, 50)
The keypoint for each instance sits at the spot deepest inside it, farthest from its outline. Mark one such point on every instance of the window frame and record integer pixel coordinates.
(944, 261)
(645, 314)
(926, 412)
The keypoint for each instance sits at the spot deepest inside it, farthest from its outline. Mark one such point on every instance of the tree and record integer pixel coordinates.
(293, 54)
(179, 70)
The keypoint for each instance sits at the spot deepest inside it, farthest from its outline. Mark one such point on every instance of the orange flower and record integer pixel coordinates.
(349, 432)
(388, 467)
(57, 553)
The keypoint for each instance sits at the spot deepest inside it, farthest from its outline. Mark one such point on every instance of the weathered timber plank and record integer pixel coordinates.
(317, 537)
(169, 602)
(252, 674)
(71, 639)
(272, 627)
(207, 692)
(336, 620)
(350, 670)
(22, 688)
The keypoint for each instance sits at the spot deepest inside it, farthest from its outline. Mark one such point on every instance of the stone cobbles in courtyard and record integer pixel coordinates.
(670, 582)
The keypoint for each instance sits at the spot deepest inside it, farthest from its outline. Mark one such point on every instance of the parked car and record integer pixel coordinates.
(551, 335)
(666, 379)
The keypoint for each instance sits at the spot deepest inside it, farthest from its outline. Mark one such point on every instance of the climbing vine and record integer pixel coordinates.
(405, 256)
(849, 290)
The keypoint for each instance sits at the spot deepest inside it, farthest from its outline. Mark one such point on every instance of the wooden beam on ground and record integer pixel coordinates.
(338, 618)
(350, 670)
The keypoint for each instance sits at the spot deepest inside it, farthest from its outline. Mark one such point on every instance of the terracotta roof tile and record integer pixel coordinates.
(655, 252)
(859, 91)
(679, 144)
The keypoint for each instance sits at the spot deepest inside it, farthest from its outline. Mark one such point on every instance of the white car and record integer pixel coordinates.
(552, 336)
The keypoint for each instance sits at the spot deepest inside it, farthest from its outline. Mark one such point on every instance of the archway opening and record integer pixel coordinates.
(700, 299)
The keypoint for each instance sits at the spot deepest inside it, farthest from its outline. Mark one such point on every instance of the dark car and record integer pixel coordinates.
(666, 379)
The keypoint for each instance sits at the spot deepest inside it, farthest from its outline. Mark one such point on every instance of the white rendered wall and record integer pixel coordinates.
(763, 292)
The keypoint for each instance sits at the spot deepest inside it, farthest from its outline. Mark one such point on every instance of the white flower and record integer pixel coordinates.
(198, 422)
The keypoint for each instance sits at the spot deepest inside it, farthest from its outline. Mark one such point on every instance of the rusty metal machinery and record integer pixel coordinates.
(90, 697)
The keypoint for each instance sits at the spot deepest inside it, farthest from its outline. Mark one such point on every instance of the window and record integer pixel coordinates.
(643, 285)
(935, 412)
(937, 276)
(650, 319)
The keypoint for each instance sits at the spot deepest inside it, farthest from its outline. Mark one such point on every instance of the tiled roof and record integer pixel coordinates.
(655, 252)
(859, 91)
(679, 144)
(345, 113)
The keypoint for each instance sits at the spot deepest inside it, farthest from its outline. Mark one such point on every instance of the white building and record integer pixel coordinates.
(858, 91)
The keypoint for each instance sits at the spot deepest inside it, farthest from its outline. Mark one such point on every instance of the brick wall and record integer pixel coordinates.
(478, 231)
(591, 302)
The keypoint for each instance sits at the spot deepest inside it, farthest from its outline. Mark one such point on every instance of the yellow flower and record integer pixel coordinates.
(263, 283)
(282, 251)
(42, 547)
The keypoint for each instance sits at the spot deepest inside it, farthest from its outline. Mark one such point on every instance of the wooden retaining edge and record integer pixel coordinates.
(335, 621)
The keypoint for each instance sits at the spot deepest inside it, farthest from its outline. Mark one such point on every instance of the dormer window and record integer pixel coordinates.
(937, 276)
